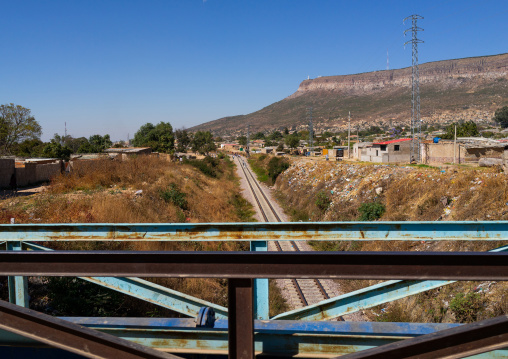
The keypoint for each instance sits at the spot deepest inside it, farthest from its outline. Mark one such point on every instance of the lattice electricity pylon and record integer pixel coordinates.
(311, 129)
(416, 124)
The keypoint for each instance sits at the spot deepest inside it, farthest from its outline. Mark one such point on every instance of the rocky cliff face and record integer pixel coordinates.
(451, 90)
(447, 73)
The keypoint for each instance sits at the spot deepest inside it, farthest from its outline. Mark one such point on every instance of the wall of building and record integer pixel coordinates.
(6, 171)
(388, 155)
(44, 172)
(26, 175)
(439, 153)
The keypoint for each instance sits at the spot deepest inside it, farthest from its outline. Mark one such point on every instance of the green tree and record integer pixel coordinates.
(242, 140)
(292, 141)
(144, 135)
(501, 116)
(75, 143)
(465, 129)
(95, 144)
(275, 136)
(56, 150)
(258, 136)
(16, 125)
(203, 142)
(184, 140)
(160, 137)
(28, 148)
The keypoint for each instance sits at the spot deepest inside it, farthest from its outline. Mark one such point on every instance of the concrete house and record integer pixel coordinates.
(467, 150)
(357, 149)
(392, 151)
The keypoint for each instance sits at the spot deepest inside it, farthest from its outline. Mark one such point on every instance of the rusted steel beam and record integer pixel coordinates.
(346, 265)
(241, 318)
(459, 342)
(71, 337)
(292, 231)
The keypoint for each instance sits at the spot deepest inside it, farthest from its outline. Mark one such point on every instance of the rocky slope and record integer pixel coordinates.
(469, 89)
(330, 191)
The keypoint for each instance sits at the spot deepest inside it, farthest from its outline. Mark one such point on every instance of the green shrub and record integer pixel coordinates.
(467, 307)
(371, 211)
(276, 166)
(322, 201)
(75, 297)
(208, 166)
(175, 196)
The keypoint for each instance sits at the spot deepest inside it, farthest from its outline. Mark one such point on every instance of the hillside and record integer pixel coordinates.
(469, 89)
(330, 191)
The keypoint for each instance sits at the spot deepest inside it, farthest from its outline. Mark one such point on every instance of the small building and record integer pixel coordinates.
(258, 143)
(267, 150)
(230, 147)
(467, 150)
(126, 152)
(338, 152)
(392, 151)
(357, 149)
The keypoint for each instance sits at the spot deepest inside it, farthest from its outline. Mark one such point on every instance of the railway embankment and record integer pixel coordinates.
(331, 191)
(141, 190)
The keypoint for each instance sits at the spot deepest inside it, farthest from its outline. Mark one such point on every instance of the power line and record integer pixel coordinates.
(416, 124)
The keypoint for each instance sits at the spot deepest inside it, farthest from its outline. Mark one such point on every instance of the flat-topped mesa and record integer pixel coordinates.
(447, 73)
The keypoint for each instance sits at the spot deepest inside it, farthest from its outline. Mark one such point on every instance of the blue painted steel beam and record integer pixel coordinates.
(361, 299)
(428, 231)
(150, 292)
(17, 285)
(323, 339)
(261, 302)
(365, 298)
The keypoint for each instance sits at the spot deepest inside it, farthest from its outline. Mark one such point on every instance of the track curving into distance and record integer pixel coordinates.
(303, 291)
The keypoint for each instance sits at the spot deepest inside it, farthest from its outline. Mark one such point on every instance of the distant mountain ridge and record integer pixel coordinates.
(469, 88)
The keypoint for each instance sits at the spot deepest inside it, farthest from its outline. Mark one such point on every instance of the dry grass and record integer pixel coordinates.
(408, 194)
(105, 192)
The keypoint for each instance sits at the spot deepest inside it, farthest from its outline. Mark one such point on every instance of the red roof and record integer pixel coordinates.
(392, 141)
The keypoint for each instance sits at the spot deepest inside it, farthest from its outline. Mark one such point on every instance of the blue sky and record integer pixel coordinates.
(107, 66)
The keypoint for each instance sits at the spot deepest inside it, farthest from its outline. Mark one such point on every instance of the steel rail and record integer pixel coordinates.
(298, 288)
(316, 281)
(254, 193)
(326, 265)
(264, 196)
(72, 337)
(293, 280)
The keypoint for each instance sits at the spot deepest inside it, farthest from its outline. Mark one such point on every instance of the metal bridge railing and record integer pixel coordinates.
(244, 334)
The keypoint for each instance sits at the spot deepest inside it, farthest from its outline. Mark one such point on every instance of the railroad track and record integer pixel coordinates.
(303, 292)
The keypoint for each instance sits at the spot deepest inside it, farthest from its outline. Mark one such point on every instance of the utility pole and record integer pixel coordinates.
(349, 135)
(65, 130)
(387, 60)
(311, 130)
(416, 124)
(247, 147)
(455, 146)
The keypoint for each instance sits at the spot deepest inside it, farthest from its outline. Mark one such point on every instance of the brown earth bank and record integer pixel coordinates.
(330, 191)
(140, 190)
(451, 90)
